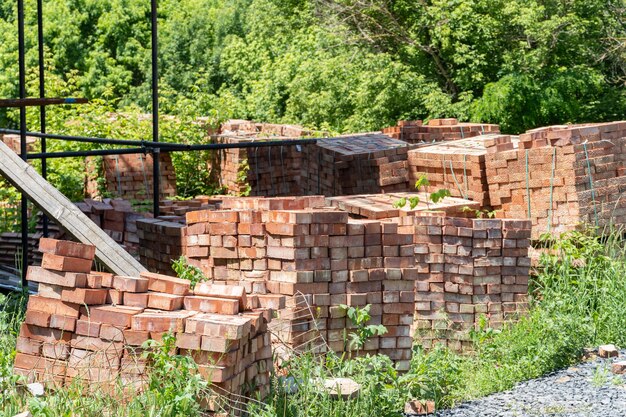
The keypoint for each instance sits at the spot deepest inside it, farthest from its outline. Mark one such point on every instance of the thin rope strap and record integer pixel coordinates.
(456, 182)
(527, 184)
(269, 158)
(462, 134)
(282, 165)
(117, 174)
(256, 169)
(593, 192)
(482, 128)
(551, 188)
(145, 178)
(465, 174)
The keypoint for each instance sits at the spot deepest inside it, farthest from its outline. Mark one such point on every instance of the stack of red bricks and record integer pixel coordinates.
(468, 268)
(161, 242)
(267, 171)
(319, 259)
(356, 164)
(458, 166)
(14, 142)
(385, 206)
(116, 217)
(130, 176)
(562, 177)
(438, 130)
(182, 207)
(90, 327)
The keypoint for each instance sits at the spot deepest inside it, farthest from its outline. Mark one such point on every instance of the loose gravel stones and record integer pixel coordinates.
(585, 390)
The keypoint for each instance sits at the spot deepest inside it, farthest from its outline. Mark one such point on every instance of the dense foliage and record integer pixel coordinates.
(343, 65)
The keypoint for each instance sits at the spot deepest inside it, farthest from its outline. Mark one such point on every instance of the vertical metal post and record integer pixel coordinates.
(23, 150)
(156, 171)
(42, 94)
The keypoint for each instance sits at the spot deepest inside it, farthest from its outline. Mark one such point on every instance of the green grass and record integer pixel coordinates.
(577, 302)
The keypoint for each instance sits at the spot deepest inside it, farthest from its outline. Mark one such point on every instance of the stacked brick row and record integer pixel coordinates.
(89, 327)
(130, 176)
(162, 242)
(568, 176)
(319, 259)
(15, 142)
(438, 130)
(11, 248)
(458, 166)
(357, 164)
(384, 206)
(271, 171)
(468, 269)
(117, 218)
(260, 171)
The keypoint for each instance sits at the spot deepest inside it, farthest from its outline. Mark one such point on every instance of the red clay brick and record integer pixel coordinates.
(65, 263)
(66, 248)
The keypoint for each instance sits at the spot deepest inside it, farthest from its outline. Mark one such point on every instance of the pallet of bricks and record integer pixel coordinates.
(88, 328)
(116, 217)
(368, 163)
(385, 206)
(467, 268)
(130, 176)
(270, 171)
(319, 259)
(562, 177)
(458, 166)
(438, 130)
(162, 240)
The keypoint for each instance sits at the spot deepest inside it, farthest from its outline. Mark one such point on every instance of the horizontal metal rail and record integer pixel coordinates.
(148, 145)
(152, 146)
(30, 102)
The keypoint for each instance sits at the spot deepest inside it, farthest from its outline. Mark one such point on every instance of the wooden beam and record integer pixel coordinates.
(58, 207)
(30, 102)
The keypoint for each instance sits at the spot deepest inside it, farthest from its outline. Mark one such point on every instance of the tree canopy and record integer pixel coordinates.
(339, 65)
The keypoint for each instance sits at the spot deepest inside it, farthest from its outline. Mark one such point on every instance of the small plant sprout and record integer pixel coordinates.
(189, 272)
(360, 316)
(480, 214)
(435, 197)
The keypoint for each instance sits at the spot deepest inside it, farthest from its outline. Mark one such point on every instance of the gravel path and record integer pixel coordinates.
(586, 390)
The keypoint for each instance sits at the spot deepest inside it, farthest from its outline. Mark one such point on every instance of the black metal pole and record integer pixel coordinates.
(156, 171)
(23, 150)
(42, 94)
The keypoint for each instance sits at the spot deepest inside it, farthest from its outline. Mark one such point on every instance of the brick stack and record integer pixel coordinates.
(356, 164)
(468, 268)
(47, 336)
(381, 206)
(130, 176)
(182, 207)
(458, 166)
(161, 242)
(71, 335)
(11, 248)
(319, 259)
(14, 142)
(438, 130)
(116, 217)
(270, 171)
(575, 176)
(258, 171)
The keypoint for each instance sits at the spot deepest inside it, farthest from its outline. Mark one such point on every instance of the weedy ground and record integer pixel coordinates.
(577, 301)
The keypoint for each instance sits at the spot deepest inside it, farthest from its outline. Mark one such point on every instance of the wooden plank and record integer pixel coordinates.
(29, 102)
(58, 207)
